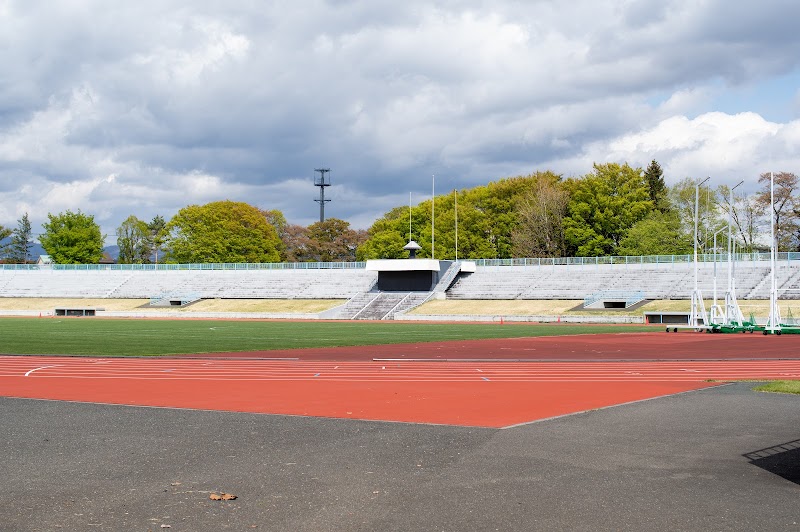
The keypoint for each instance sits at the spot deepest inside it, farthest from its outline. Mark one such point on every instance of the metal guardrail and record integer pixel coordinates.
(641, 259)
(544, 261)
(195, 266)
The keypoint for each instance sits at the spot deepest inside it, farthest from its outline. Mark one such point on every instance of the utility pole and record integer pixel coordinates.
(321, 182)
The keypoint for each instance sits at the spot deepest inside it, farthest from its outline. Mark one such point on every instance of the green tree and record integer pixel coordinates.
(21, 240)
(156, 235)
(277, 220)
(387, 236)
(487, 216)
(72, 238)
(133, 239)
(540, 232)
(603, 206)
(658, 234)
(222, 231)
(654, 178)
(711, 217)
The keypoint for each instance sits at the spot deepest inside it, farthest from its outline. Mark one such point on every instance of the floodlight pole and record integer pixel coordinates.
(433, 213)
(409, 217)
(321, 183)
(455, 200)
(774, 321)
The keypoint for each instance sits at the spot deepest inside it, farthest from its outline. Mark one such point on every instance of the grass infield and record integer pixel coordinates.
(780, 387)
(110, 337)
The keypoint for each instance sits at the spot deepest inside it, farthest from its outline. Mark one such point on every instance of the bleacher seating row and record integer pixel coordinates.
(573, 282)
(576, 282)
(208, 284)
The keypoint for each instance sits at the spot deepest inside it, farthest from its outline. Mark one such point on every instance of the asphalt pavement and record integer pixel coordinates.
(725, 458)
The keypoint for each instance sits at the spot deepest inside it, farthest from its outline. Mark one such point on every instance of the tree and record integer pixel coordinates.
(785, 206)
(277, 220)
(709, 213)
(72, 238)
(133, 239)
(21, 240)
(602, 208)
(4, 233)
(654, 178)
(487, 216)
(658, 234)
(332, 240)
(295, 244)
(156, 235)
(746, 217)
(541, 210)
(222, 231)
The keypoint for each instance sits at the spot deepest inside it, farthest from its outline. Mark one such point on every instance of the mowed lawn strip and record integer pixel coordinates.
(780, 387)
(111, 337)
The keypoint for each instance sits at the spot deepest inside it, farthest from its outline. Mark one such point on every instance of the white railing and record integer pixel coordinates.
(194, 266)
(787, 257)
(630, 298)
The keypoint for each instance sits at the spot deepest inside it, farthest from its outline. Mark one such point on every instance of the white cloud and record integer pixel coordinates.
(189, 103)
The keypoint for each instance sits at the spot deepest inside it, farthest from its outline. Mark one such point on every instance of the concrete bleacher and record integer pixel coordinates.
(655, 281)
(386, 304)
(358, 286)
(208, 284)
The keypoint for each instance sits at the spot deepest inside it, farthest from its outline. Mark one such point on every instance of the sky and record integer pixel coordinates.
(143, 108)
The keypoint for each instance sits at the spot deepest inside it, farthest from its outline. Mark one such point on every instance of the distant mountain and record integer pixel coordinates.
(113, 251)
(35, 250)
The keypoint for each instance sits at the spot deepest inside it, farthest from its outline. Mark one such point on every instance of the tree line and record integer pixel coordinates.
(615, 209)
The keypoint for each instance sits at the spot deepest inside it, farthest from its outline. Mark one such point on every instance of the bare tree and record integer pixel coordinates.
(541, 210)
(747, 216)
(785, 207)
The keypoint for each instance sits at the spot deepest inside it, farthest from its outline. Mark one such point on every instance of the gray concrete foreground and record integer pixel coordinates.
(681, 463)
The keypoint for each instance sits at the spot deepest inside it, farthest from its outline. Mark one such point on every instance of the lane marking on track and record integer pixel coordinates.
(28, 374)
(399, 372)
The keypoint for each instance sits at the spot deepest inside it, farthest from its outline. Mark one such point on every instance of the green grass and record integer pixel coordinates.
(108, 337)
(780, 387)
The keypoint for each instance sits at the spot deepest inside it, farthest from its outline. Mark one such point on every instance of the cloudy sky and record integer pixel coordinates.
(120, 108)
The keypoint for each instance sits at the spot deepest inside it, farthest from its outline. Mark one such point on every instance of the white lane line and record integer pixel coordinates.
(28, 374)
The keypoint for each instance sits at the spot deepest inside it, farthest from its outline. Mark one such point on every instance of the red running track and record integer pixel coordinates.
(622, 346)
(469, 393)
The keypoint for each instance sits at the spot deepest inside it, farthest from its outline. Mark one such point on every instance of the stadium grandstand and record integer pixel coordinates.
(354, 291)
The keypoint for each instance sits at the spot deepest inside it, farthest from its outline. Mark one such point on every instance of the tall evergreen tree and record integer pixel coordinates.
(21, 240)
(654, 178)
(157, 235)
